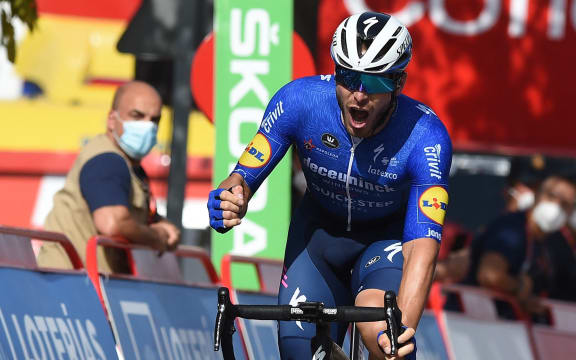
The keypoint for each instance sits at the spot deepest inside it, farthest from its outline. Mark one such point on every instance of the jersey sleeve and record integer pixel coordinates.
(105, 181)
(429, 168)
(273, 138)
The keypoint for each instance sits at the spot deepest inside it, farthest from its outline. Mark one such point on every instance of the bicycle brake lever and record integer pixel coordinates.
(222, 320)
(393, 321)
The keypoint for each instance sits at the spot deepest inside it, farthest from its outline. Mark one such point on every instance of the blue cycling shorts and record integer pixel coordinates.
(325, 263)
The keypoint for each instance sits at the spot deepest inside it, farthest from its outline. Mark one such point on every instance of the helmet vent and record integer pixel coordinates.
(397, 31)
(384, 50)
(343, 62)
(344, 46)
(376, 68)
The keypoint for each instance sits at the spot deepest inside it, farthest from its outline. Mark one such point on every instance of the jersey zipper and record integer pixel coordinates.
(348, 197)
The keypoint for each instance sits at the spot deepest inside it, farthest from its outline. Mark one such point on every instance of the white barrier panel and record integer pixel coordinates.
(554, 344)
(474, 339)
(563, 314)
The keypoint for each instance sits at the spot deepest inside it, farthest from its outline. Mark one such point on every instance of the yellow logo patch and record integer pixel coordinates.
(257, 153)
(433, 204)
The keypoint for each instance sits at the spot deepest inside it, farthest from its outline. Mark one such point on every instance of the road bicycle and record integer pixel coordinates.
(322, 346)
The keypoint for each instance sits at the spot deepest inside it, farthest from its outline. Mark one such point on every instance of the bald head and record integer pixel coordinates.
(134, 88)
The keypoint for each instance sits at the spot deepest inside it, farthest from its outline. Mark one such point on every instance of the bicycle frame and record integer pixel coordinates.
(313, 312)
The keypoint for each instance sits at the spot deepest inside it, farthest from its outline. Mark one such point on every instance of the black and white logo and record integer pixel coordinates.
(330, 140)
(373, 261)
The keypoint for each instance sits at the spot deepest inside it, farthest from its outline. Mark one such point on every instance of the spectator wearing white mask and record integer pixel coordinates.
(524, 253)
(107, 190)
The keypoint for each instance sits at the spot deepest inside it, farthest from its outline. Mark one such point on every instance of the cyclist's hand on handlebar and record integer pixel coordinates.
(225, 208)
(406, 337)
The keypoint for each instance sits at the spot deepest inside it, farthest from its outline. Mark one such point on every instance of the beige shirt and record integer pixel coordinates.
(71, 215)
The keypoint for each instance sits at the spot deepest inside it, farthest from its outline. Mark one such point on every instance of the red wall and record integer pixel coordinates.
(108, 9)
(494, 87)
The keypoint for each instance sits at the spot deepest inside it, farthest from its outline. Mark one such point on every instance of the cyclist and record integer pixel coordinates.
(376, 164)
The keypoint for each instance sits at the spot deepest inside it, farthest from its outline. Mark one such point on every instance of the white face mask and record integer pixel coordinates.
(524, 199)
(549, 216)
(138, 137)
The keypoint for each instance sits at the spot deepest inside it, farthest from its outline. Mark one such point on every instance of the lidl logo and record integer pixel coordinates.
(432, 205)
(257, 153)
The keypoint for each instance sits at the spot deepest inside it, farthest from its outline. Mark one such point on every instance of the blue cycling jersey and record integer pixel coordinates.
(404, 166)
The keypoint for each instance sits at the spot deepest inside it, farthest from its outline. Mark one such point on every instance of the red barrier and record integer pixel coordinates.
(143, 270)
(226, 276)
(22, 255)
(226, 270)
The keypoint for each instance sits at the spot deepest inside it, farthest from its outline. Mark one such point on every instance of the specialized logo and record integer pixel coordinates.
(272, 116)
(432, 205)
(425, 109)
(257, 153)
(330, 141)
(295, 300)
(320, 354)
(308, 145)
(393, 250)
(433, 159)
(404, 45)
(369, 23)
(377, 151)
(372, 261)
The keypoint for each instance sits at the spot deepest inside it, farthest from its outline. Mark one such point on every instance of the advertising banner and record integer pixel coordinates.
(52, 316)
(163, 321)
(253, 45)
(497, 72)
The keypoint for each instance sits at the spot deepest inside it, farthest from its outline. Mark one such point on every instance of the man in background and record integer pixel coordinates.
(524, 253)
(107, 190)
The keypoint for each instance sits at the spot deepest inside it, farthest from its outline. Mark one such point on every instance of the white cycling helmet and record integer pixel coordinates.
(388, 44)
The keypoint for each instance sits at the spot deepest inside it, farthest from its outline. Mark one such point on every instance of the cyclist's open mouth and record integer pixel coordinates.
(358, 117)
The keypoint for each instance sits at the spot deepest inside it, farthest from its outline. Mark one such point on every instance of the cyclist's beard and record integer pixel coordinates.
(383, 120)
(379, 123)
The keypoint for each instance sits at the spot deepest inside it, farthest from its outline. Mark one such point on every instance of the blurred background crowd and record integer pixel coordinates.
(498, 73)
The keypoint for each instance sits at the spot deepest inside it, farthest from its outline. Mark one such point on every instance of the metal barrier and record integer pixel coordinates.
(16, 249)
(479, 303)
(144, 266)
(268, 284)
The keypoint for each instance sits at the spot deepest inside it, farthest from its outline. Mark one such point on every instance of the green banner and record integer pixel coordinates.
(253, 55)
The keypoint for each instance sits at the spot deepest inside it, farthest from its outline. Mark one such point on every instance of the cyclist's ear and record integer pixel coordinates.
(400, 83)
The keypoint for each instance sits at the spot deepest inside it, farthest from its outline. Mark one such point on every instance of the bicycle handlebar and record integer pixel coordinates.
(304, 311)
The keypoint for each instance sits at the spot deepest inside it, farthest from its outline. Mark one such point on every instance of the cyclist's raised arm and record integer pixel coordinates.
(429, 166)
(228, 204)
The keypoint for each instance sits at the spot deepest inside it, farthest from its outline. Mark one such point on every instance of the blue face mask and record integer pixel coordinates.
(138, 138)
